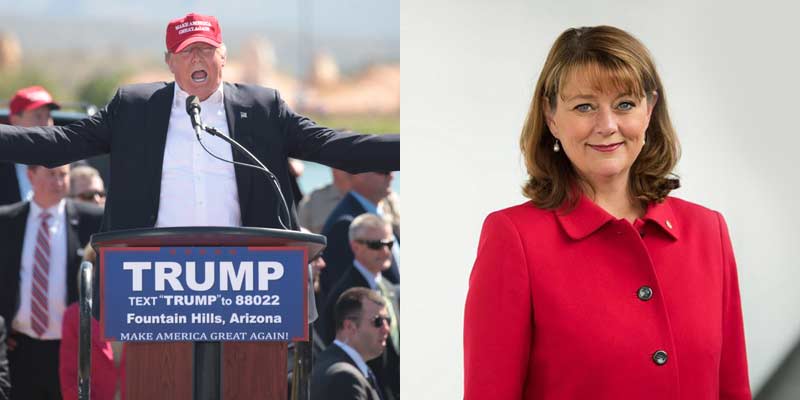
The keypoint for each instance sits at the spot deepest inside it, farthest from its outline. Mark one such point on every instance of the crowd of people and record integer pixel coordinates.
(47, 219)
(362, 227)
(49, 214)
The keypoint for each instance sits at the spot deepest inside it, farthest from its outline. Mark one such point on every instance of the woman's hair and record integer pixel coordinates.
(610, 58)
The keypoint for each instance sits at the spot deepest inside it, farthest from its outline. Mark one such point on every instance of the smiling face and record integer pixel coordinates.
(198, 68)
(601, 127)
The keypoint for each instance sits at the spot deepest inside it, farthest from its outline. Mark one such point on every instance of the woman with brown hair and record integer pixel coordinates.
(603, 286)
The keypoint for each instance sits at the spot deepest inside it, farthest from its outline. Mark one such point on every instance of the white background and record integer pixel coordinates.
(731, 76)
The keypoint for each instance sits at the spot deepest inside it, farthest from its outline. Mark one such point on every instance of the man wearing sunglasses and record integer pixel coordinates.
(85, 184)
(371, 241)
(362, 329)
(367, 191)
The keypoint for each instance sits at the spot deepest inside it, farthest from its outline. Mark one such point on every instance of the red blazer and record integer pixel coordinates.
(104, 373)
(585, 306)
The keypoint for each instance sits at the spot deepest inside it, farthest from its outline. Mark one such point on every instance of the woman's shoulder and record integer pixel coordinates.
(685, 209)
(526, 209)
(695, 217)
(520, 216)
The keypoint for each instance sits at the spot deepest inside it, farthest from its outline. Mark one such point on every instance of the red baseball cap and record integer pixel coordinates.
(31, 97)
(193, 28)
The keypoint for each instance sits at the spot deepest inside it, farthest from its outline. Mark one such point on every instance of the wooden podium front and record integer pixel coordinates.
(248, 370)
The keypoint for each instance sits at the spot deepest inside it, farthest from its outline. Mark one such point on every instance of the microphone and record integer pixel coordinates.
(193, 109)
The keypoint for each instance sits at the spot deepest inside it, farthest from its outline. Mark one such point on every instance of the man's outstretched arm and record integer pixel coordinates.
(52, 146)
(351, 152)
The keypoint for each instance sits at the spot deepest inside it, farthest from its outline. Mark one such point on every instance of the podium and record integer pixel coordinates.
(207, 369)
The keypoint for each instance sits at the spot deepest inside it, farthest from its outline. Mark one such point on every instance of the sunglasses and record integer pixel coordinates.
(90, 195)
(376, 244)
(377, 322)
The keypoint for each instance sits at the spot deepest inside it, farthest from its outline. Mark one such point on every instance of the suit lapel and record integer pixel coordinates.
(342, 355)
(358, 278)
(73, 245)
(354, 206)
(239, 114)
(158, 112)
(18, 223)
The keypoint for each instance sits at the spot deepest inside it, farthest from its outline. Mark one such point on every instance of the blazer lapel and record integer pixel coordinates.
(342, 355)
(240, 115)
(355, 205)
(18, 223)
(357, 278)
(73, 248)
(158, 112)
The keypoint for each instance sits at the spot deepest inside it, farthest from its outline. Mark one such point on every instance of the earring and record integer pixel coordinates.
(556, 146)
(644, 141)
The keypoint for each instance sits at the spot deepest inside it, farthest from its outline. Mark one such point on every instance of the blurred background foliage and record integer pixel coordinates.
(100, 89)
(13, 80)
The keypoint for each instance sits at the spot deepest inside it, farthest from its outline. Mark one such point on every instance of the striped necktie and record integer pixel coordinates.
(394, 327)
(41, 268)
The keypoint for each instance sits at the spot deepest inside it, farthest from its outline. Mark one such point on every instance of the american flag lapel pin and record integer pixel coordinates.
(242, 115)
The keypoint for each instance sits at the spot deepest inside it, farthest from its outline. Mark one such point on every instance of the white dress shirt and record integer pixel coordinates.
(56, 279)
(197, 189)
(24, 184)
(360, 363)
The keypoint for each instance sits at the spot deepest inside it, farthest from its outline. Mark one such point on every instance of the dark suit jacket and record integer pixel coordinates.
(5, 378)
(133, 128)
(9, 184)
(335, 376)
(338, 255)
(83, 220)
(387, 366)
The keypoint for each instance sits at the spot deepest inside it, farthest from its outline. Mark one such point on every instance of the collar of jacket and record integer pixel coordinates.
(588, 217)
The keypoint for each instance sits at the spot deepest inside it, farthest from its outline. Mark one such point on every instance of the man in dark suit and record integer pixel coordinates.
(371, 242)
(30, 106)
(367, 190)
(42, 247)
(362, 326)
(162, 176)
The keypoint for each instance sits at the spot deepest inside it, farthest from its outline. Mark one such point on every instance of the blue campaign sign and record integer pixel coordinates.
(164, 294)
